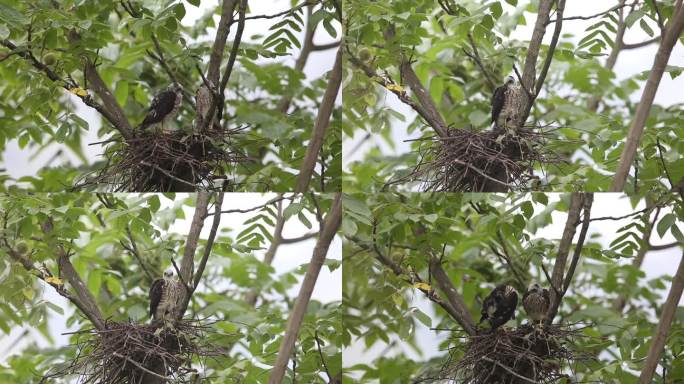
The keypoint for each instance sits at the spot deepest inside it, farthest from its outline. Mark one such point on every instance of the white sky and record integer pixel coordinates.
(629, 63)
(24, 162)
(656, 263)
(288, 258)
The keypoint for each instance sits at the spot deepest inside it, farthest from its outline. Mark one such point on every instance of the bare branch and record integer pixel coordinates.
(187, 263)
(322, 121)
(219, 45)
(671, 34)
(666, 316)
(613, 9)
(576, 203)
(210, 240)
(332, 223)
(552, 47)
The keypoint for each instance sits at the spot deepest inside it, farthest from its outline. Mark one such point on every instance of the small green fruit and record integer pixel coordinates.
(22, 248)
(50, 59)
(364, 54)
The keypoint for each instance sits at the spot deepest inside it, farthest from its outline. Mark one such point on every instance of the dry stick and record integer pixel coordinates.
(321, 125)
(576, 203)
(210, 240)
(452, 295)
(671, 34)
(666, 317)
(187, 263)
(332, 223)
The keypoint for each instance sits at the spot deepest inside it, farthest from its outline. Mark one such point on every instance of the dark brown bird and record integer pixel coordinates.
(499, 306)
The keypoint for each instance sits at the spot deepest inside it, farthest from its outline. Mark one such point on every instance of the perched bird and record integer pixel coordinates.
(499, 306)
(536, 302)
(203, 99)
(164, 107)
(165, 295)
(506, 101)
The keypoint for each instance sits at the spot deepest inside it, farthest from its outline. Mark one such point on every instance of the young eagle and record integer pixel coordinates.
(165, 295)
(505, 104)
(499, 306)
(536, 302)
(164, 107)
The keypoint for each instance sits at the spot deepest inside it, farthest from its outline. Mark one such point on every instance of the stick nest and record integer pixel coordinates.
(473, 161)
(513, 356)
(155, 161)
(135, 353)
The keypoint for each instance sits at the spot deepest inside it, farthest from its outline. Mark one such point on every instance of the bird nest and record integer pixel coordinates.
(154, 161)
(473, 161)
(525, 354)
(138, 353)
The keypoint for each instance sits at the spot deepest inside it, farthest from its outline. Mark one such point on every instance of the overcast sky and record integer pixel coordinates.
(629, 63)
(656, 264)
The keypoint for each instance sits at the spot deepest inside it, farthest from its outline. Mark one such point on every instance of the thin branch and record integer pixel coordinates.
(299, 238)
(671, 35)
(552, 47)
(666, 316)
(452, 295)
(274, 200)
(116, 118)
(219, 45)
(475, 56)
(576, 204)
(210, 239)
(187, 263)
(133, 249)
(332, 223)
(320, 354)
(320, 126)
(588, 200)
(641, 44)
(613, 9)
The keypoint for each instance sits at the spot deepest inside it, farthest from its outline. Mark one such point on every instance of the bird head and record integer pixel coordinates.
(510, 80)
(168, 273)
(535, 288)
(175, 87)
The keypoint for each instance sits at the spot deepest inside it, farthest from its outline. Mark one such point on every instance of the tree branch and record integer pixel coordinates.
(452, 295)
(588, 200)
(322, 121)
(671, 34)
(332, 223)
(111, 112)
(187, 263)
(576, 203)
(530, 67)
(219, 45)
(552, 47)
(666, 316)
(210, 240)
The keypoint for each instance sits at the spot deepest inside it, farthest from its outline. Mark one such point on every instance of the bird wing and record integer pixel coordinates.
(161, 105)
(156, 290)
(488, 302)
(546, 297)
(498, 101)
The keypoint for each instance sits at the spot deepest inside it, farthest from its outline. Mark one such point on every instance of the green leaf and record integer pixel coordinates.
(634, 16)
(422, 317)
(665, 223)
(196, 3)
(179, 11)
(496, 9)
(512, 2)
(4, 31)
(644, 25)
(121, 92)
(292, 209)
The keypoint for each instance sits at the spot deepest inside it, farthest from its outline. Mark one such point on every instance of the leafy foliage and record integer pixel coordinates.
(444, 50)
(139, 48)
(386, 303)
(120, 243)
